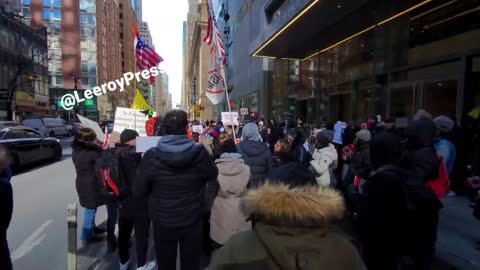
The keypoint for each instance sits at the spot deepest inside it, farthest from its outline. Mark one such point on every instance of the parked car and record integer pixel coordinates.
(76, 127)
(68, 126)
(48, 126)
(28, 146)
(108, 124)
(10, 124)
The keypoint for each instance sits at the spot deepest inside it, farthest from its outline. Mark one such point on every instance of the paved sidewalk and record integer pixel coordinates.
(457, 232)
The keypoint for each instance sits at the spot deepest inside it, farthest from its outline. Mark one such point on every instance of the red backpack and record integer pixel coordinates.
(441, 185)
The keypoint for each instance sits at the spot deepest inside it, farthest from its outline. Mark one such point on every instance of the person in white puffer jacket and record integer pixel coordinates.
(325, 159)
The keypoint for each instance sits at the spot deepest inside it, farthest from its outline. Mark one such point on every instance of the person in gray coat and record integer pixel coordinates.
(256, 154)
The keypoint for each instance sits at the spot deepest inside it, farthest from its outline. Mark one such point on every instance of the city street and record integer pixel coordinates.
(38, 232)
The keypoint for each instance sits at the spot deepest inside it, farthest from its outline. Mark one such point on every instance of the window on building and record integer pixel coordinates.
(121, 15)
(84, 68)
(57, 15)
(121, 35)
(46, 15)
(57, 3)
(26, 12)
(83, 18)
(46, 3)
(121, 6)
(91, 19)
(26, 2)
(84, 81)
(59, 80)
(92, 81)
(92, 69)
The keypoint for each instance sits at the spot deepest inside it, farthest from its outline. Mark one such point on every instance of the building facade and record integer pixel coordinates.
(109, 53)
(23, 69)
(137, 8)
(128, 21)
(144, 85)
(197, 64)
(161, 93)
(362, 58)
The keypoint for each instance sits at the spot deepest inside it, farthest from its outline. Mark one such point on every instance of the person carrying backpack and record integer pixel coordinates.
(130, 214)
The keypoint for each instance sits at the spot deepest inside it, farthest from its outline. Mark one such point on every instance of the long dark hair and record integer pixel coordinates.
(85, 135)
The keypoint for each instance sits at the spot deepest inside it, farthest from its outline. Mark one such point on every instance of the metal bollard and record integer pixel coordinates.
(72, 236)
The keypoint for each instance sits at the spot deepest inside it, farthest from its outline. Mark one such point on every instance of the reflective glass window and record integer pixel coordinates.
(57, 3)
(57, 15)
(26, 2)
(46, 3)
(92, 69)
(46, 15)
(92, 81)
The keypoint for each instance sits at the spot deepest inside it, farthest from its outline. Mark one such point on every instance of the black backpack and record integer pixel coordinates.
(111, 186)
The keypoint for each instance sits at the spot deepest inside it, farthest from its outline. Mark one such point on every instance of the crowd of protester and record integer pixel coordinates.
(272, 196)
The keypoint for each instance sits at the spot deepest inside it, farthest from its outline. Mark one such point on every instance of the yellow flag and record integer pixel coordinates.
(475, 113)
(139, 103)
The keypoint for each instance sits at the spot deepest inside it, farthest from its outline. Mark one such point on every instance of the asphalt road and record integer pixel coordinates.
(38, 231)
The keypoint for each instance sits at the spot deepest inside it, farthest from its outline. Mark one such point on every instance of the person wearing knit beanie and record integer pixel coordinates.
(364, 135)
(128, 135)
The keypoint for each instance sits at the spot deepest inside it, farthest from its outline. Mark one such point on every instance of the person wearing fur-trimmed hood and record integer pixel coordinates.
(293, 230)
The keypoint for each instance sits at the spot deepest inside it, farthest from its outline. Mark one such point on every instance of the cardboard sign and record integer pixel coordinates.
(230, 119)
(126, 118)
(145, 143)
(93, 125)
(197, 129)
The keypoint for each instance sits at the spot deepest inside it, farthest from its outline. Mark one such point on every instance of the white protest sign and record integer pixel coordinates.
(126, 118)
(244, 111)
(197, 129)
(227, 118)
(145, 143)
(94, 126)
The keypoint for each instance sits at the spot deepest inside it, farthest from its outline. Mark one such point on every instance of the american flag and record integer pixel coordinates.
(213, 35)
(146, 57)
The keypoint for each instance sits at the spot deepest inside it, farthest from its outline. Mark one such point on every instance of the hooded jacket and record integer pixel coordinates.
(258, 157)
(292, 231)
(324, 161)
(85, 157)
(289, 171)
(6, 209)
(173, 178)
(226, 217)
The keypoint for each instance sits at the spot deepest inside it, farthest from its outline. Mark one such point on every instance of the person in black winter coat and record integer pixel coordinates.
(287, 169)
(85, 155)
(6, 208)
(384, 218)
(256, 154)
(179, 181)
(422, 162)
(131, 217)
(297, 140)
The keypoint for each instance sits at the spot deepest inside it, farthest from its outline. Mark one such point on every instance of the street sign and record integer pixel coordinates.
(244, 111)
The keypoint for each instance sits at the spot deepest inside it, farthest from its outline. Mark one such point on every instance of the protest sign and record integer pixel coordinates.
(244, 111)
(197, 129)
(126, 118)
(145, 143)
(94, 126)
(228, 118)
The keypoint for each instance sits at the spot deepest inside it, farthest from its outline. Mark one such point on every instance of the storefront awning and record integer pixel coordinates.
(323, 25)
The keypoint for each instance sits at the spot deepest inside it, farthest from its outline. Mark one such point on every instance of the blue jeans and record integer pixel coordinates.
(88, 229)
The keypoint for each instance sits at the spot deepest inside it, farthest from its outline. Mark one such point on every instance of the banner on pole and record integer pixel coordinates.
(229, 119)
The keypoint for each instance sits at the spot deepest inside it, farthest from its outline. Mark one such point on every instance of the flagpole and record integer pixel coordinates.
(210, 12)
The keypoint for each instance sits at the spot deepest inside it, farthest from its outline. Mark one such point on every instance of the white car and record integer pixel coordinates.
(48, 126)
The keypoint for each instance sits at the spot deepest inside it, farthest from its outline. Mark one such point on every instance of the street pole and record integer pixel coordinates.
(194, 81)
(72, 236)
(75, 79)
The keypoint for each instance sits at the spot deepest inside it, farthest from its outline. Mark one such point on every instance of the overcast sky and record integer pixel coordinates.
(165, 20)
